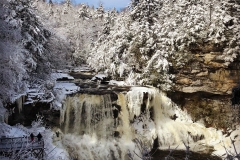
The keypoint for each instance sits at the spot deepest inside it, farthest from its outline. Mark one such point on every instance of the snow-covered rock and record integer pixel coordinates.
(61, 76)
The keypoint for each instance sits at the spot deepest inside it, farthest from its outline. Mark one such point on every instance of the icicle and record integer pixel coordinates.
(19, 102)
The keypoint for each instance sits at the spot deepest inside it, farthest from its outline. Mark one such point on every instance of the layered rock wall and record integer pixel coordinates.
(204, 87)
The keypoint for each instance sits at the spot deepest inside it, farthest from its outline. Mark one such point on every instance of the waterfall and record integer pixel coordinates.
(97, 127)
(89, 126)
(88, 114)
(125, 128)
(182, 130)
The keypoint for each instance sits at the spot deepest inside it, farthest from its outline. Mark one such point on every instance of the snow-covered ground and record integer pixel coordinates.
(57, 76)
(51, 150)
(118, 83)
(56, 96)
(39, 94)
(61, 89)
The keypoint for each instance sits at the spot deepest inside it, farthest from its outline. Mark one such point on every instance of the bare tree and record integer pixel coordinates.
(145, 152)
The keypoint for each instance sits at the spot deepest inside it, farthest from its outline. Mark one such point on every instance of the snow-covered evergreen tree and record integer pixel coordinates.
(158, 35)
(77, 30)
(100, 12)
(25, 60)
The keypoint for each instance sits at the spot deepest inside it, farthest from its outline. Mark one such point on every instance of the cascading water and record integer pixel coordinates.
(95, 127)
(88, 114)
(89, 127)
(172, 132)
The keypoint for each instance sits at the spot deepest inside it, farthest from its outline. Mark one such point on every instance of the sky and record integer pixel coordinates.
(108, 4)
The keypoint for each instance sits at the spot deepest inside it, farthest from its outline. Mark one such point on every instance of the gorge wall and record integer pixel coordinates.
(204, 87)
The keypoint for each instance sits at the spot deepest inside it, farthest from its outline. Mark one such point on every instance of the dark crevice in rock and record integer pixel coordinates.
(29, 112)
(214, 110)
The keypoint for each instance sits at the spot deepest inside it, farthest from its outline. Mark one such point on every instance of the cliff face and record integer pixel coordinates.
(208, 74)
(204, 86)
(204, 89)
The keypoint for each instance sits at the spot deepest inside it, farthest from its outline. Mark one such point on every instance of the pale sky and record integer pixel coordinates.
(108, 4)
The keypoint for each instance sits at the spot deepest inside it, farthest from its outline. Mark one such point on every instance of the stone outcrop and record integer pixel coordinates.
(208, 74)
(204, 88)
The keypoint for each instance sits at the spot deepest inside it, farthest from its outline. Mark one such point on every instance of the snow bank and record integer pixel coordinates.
(99, 76)
(59, 76)
(118, 83)
(81, 69)
(52, 151)
(67, 88)
(61, 89)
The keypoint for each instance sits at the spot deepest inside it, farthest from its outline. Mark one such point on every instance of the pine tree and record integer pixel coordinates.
(68, 3)
(100, 11)
(156, 35)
